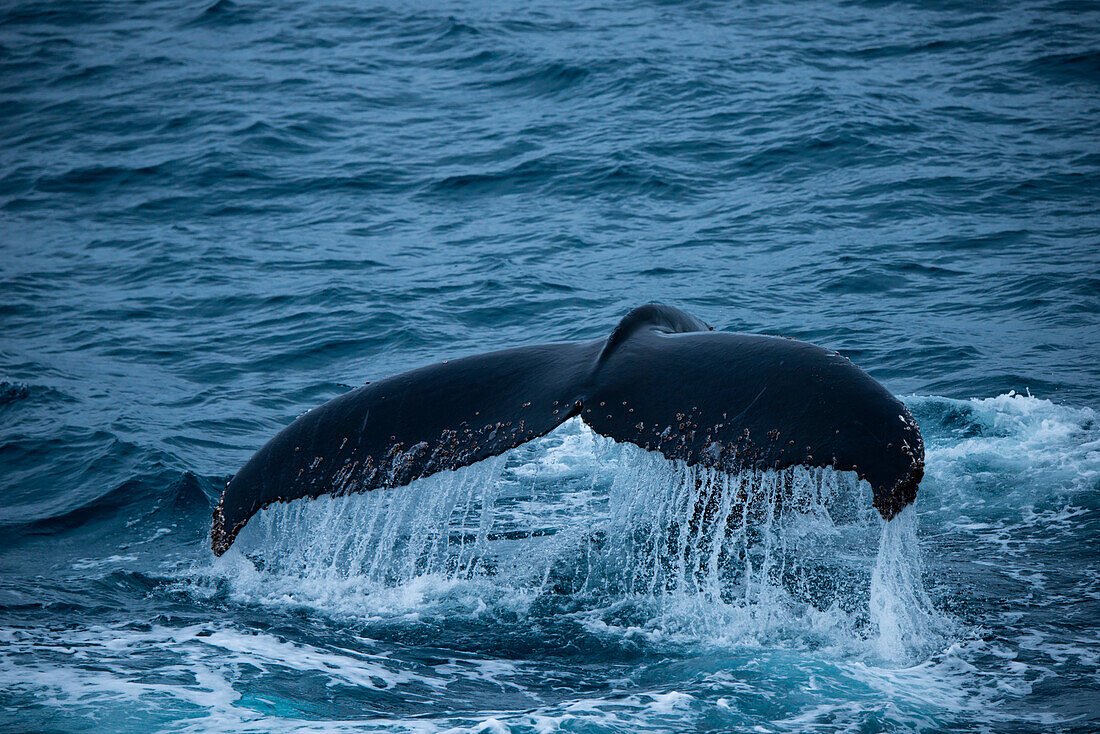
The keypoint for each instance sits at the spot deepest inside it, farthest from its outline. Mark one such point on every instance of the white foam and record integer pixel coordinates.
(198, 672)
(1035, 443)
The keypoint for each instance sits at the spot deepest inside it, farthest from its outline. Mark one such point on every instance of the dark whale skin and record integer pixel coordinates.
(663, 380)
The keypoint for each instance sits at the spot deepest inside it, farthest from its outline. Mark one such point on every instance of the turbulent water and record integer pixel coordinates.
(214, 217)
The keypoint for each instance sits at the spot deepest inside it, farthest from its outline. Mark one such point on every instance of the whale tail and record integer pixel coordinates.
(662, 380)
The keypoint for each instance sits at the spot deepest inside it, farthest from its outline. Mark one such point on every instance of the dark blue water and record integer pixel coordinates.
(214, 217)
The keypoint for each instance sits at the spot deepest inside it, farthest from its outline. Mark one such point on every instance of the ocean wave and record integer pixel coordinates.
(167, 492)
(10, 392)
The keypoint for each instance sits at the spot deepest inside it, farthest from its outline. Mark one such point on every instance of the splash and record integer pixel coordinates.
(635, 541)
(731, 538)
(388, 537)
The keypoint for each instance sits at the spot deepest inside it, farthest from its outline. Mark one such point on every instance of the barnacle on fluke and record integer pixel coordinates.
(726, 401)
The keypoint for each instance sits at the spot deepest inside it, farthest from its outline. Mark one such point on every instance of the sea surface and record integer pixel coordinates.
(215, 216)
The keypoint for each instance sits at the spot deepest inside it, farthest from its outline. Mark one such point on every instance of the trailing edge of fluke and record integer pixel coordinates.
(663, 380)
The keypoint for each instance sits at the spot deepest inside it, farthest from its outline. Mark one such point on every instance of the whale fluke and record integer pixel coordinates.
(663, 380)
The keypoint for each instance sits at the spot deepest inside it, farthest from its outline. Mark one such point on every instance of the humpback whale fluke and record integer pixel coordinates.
(663, 380)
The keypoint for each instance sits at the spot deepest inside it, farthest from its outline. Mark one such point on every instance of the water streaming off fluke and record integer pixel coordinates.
(597, 525)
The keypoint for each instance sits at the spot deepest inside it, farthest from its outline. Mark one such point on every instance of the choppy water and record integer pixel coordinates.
(214, 217)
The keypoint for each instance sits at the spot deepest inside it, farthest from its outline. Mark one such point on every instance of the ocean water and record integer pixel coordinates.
(215, 216)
